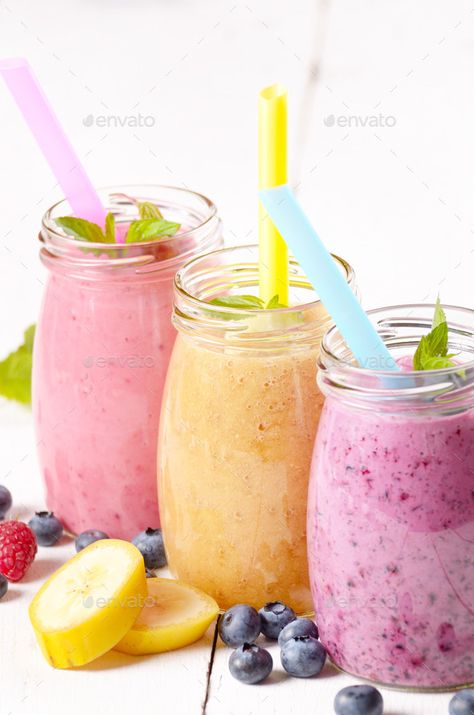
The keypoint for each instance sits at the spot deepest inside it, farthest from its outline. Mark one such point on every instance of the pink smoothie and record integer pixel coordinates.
(102, 347)
(391, 544)
(101, 355)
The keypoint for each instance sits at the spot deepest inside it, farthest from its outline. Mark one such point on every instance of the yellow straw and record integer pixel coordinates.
(272, 170)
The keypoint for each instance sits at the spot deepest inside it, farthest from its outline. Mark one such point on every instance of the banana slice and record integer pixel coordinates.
(174, 616)
(90, 603)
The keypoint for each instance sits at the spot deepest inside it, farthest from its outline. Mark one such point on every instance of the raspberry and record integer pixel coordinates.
(17, 549)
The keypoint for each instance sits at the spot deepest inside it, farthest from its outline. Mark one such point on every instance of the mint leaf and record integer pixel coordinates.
(438, 363)
(148, 210)
(439, 315)
(15, 371)
(110, 228)
(422, 353)
(432, 351)
(80, 228)
(150, 228)
(438, 340)
(245, 302)
(274, 303)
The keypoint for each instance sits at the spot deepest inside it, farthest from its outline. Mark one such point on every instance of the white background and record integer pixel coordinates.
(396, 201)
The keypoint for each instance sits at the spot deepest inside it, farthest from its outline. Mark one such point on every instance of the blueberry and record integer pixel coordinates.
(358, 700)
(149, 574)
(88, 537)
(250, 664)
(299, 627)
(275, 616)
(150, 544)
(303, 656)
(239, 625)
(46, 527)
(5, 501)
(462, 703)
(3, 585)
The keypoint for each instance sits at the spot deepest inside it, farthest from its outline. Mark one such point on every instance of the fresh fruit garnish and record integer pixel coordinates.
(3, 585)
(89, 537)
(303, 656)
(358, 700)
(150, 544)
(432, 351)
(274, 617)
(239, 624)
(151, 225)
(17, 549)
(89, 604)
(250, 664)
(298, 627)
(15, 371)
(5, 501)
(462, 703)
(46, 527)
(174, 616)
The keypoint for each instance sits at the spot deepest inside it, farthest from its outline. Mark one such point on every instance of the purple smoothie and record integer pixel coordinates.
(391, 536)
(391, 533)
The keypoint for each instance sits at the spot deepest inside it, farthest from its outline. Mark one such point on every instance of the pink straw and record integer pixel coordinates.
(52, 140)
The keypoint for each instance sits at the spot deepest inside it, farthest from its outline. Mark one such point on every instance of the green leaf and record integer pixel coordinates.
(438, 340)
(110, 228)
(422, 353)
(439, 315)
(15, 370)
(150, 228)
(274, 303)
(148, 210)
(432, 351)
(80, 228)
(438, 363)
(244, 302)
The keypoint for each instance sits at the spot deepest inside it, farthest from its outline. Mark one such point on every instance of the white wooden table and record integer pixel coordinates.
(395, 199)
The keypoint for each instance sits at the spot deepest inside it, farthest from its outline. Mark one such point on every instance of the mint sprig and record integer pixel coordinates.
(85, 230)
(432, 351)
(147, 229)
(148, 210)
(151, 225)
(15, 370)
(246, 302)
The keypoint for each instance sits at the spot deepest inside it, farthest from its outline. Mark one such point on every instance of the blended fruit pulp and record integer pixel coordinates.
(234, 460)
(390, 544)
(101, 353)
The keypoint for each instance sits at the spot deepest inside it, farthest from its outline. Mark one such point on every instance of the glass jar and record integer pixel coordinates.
(239, 418)
(391, 508)
(101, 352)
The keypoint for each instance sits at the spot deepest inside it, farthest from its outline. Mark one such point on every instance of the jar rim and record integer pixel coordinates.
(399, 327)
(165, 254)
(48, 222)
(232, 311)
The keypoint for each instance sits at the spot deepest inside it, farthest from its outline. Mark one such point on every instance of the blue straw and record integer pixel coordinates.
(331, 286)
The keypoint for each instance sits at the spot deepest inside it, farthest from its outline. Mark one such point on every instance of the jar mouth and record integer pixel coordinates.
(401, 327)
(235, 271)
(195, 212)
(199, 281)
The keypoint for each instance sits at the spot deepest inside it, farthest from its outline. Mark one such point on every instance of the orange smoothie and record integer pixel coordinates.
(235, 458)
(239, 417)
